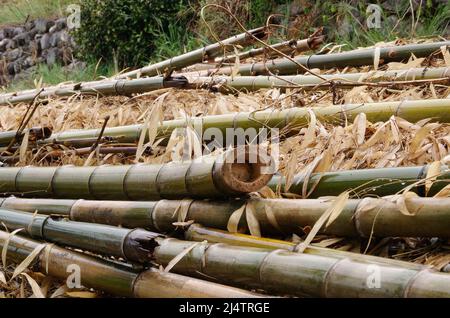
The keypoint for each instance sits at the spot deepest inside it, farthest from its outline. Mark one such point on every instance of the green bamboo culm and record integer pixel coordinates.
(379, 217)
(353, 58)
(36, 133)
(233, 173)
(364, 182)
(114, 278)
(303, 274)
(291, 120)
(287, 47)
(132, 245)
(198, 55)
(199, 233)
(95, 88)
(251, 83)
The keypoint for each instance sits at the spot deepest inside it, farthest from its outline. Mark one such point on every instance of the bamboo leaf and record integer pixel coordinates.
(338, 207)
(252, 221)
(5, 246)
(60, 291)
(28, 260)
(24, 146)
(271, 217)
(267, 192)
(177, 258)
(335, 209)
(81, 294)
(443, 193)
(3, 278)
(445, 55)
(359, 128)
(419, 138)
(434, 169)
(376, 58)
(37, 292)
(311, 131)
(233, 221)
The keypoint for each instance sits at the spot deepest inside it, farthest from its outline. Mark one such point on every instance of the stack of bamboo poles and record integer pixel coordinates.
(216, 226)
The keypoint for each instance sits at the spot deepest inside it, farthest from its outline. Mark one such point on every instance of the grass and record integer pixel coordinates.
(17, 11)
(430, 25)
(57, 74)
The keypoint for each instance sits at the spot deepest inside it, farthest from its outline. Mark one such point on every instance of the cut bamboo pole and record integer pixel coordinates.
(132, 245)
(364, 182)
(197, 56)
(35, 133)
(114, 278)
(287, 47)
(233, 173)
(102, 88)
(292, 119)
(353, 58)
(360, 217)
(252, 83)
(199, 233)
(303, 274)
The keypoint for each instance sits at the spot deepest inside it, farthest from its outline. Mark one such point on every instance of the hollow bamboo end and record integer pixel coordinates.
(243, 170)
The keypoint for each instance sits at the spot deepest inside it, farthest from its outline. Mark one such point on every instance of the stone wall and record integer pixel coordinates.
(38, 41)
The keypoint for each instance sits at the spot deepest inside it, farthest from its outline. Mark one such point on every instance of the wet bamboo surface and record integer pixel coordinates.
(199, 55)
(232, 173)
(114, 278)
(380, 217)
(101, 88)
(302, 274)
(290, 120)
(253, 83)
(364, 182)
(353, 58)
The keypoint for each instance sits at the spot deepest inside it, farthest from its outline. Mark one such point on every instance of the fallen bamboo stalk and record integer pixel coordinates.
(360, 217)
(232, 173)
(35, 133)
(353, 58)
(303, 274)
(102, 88)
(252, 83)
(292, 119)
(287, 47)
(364, 182)
(199, 233)
(131, 245)
(196, 56)
(112, 277)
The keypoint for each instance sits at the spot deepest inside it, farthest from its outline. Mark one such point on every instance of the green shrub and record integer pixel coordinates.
(127, 30)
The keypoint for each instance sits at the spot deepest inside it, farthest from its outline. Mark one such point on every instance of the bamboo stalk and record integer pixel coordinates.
(132, 245)
(113, 278)
(353, 58)
(287, 47)
(102, 88)
(290, 119)
(232, 173)
(36, 133)
(303, 274)
(199, 233)
(364, 182)
(360, 217)
(252, 83)
(196, 56)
